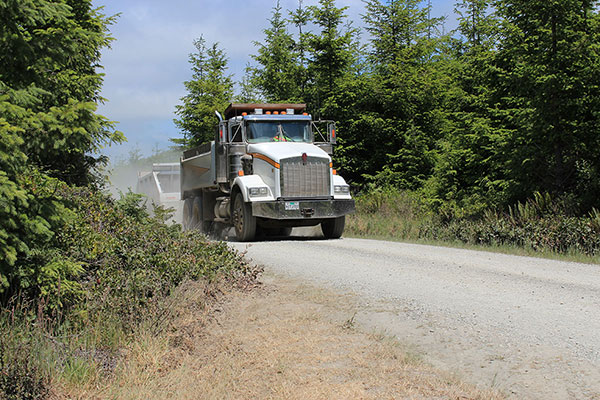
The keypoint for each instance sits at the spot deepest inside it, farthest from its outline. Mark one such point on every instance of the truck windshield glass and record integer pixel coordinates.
(279, 131)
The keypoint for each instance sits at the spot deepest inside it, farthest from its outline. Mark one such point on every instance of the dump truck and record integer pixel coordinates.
(162, 187)
(268, 170)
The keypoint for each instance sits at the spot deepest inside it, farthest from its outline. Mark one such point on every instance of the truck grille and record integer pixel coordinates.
(305, 179)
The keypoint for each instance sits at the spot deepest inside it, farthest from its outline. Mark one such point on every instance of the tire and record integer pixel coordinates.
(334, 227)
(243, 220)
(187, 214)
(198, 221)
(287, 231)
(284, 232)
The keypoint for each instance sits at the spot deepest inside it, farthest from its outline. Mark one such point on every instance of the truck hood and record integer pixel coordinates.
(281, 150)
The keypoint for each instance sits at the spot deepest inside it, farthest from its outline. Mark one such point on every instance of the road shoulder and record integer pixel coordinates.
(284, 340)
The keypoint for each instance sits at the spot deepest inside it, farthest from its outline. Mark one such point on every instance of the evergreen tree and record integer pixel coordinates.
(278, 70)
(300, 18)
(330, 52)
(209, 90)
(249, 90)
(477, 23)
(49, 90)
(49, 56)
(545, 91)
(398, 28)
(469, 173)
(395, 115)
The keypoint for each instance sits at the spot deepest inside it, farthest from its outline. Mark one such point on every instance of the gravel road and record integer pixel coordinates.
(529, 327)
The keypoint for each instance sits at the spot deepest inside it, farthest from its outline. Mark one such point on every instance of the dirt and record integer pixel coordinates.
(283, 340)
(525, 326)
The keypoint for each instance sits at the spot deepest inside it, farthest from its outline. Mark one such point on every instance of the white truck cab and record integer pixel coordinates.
(265, 173)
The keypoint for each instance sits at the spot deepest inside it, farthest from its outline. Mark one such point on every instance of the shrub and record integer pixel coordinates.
(105, 272)
(541, 223)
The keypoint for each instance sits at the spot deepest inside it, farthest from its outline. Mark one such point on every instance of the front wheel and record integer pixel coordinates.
(334, 227)
(243, 220)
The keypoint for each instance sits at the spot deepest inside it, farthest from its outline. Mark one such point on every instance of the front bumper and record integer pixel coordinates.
(304, 209)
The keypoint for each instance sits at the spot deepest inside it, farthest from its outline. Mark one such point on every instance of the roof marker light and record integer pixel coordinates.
(276, 112)
(283, 113)
(268, 113)
(244, 114)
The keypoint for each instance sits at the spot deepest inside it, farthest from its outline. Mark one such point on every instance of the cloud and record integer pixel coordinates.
(148, 62)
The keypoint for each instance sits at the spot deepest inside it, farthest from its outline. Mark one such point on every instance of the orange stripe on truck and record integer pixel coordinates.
(265, 158)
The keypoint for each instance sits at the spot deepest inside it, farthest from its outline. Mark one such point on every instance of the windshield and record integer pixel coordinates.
(279, 131)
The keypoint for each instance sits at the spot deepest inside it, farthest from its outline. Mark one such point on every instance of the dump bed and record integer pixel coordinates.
(198, 168)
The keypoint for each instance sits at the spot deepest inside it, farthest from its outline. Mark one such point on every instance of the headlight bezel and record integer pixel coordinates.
(341, 189)
(259, 191)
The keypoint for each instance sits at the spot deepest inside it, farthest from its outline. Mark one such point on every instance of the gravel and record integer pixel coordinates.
(529, 327)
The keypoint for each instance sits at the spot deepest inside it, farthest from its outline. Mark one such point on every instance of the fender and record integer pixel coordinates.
(339, 181)
(252, 181)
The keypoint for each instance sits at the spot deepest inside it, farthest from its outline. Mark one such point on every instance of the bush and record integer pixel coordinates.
(541, 223)
(104, 273)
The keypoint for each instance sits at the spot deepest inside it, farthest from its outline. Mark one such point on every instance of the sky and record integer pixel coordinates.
(148, 61)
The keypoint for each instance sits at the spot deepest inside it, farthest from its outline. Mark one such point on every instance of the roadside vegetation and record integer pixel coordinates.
(539, 226)
(109, 279)
(81, 274)
(488, 134)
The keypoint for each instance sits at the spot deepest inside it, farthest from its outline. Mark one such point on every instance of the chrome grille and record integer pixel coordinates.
(305, 179)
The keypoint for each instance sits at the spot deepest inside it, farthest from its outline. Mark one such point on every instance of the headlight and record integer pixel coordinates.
(258, 191)
(341, 189)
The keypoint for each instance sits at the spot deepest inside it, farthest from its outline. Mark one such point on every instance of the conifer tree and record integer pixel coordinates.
(49, 90)
(395, 116)
(331, 53)
(209, 90)
(49, 56)
(469, 173)
(545, 91)
(278, 70)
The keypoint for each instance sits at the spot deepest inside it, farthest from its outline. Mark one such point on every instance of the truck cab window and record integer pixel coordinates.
(274, 131)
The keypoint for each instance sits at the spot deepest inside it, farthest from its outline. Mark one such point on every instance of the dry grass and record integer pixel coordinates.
(283, 341)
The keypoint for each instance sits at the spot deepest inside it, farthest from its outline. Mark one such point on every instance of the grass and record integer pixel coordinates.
(536, 229)
(572, 256)
(283, 341)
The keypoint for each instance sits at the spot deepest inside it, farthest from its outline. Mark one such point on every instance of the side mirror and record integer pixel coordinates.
(331, 132)
(222, 133)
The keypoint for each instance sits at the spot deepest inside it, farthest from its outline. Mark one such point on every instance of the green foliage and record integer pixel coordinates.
(209, 90)
(49, 87)
(542, 224)
(279, 67)
(390, 119)
(106, 272)
(545, 92)
(132, 260)
(504, 107)
(331, 52)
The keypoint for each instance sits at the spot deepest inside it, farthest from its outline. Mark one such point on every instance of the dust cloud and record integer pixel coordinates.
(123, 175)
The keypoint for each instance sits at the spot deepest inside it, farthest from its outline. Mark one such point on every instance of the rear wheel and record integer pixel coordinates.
(243, 220)
(334, 227)
(197, 221)
(187, 214)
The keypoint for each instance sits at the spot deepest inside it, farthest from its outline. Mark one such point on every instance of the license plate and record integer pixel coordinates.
(292, 205)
